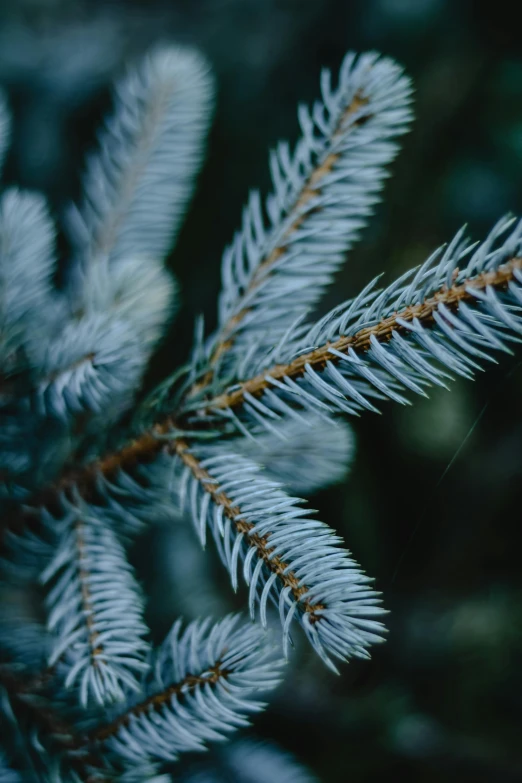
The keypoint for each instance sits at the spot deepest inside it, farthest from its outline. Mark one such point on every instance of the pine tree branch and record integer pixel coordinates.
(270, 534)
(92, 367)
(98, 636)
(261, 543)
(188, 684)
(137, 186)
(361, 340)
(202, 684)
(283, 553)
(218, 668)
(96, 648)
(146, 447)
(311, 189)
(27, 259)
(290, 246)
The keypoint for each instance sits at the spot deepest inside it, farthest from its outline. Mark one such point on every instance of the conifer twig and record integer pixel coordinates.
(203, 683)
(211, 677)
(261, 543)
(361, 340)
(146, 447)
(311, 189)
(290, 246)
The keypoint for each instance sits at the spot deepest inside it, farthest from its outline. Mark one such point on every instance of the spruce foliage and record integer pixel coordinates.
(252, 418)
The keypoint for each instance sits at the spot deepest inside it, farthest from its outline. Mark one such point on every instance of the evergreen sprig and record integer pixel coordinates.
(252, 414)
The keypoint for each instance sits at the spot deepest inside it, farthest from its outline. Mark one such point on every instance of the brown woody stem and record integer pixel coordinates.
(87, 610)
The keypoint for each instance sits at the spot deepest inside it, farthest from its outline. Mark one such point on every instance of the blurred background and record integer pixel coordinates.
(432, 505)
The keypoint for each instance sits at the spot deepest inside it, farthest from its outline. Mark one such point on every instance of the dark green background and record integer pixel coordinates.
(432, 505)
